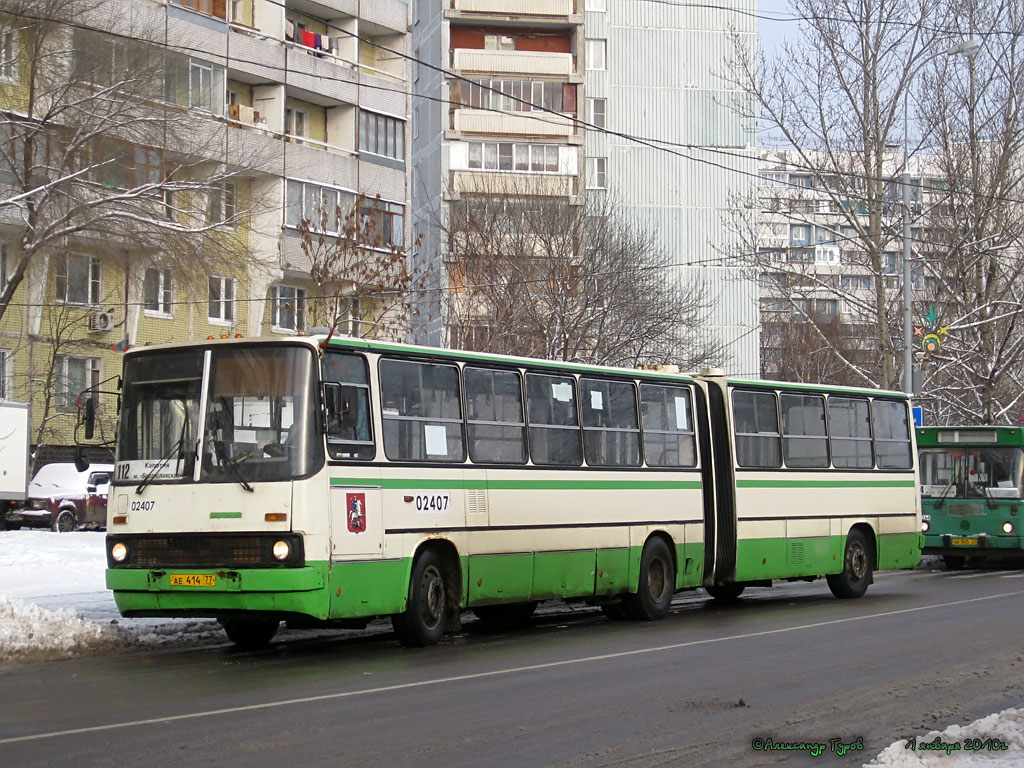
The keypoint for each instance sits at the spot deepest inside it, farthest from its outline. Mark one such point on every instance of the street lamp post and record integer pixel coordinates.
(967, 48)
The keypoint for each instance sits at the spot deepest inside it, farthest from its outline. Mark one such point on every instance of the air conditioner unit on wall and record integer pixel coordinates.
(101, 321)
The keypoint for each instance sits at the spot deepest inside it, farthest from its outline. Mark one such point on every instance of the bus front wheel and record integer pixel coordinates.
(422, 622)
(250, 633)
(657, 583)
(855, 577)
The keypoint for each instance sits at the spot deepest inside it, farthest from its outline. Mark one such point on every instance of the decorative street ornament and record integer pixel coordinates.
(932, 340)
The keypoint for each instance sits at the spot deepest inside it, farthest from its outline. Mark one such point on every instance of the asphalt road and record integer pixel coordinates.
(921, 650)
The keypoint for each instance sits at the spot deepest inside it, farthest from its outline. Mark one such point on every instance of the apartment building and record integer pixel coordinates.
(261, 120)
(813, 266)
(497, 90)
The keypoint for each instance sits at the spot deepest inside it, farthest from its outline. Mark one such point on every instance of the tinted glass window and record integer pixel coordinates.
(494, 412)
(554, 426)
(803, 427)
(611, 427)
(668, 426)
(347, 387)
(421, 411)
(756, 423)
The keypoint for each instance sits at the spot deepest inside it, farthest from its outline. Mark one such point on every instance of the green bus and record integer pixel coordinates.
(972, 479)
(327, 481)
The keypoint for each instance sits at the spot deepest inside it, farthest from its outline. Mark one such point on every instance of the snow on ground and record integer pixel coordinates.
(54, 604)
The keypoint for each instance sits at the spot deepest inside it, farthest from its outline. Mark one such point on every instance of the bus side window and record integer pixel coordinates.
(892, 434)
(756, 424)
(668, 426)
(347, 403)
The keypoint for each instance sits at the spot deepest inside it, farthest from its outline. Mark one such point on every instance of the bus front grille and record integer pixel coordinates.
(209, 550)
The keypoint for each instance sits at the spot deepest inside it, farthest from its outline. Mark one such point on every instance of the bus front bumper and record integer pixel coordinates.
(964, 544)
(213, 593)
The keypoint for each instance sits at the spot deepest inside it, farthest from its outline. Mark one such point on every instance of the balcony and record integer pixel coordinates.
(542, 184)
(517, 124)
(516, 7)
(543, 63)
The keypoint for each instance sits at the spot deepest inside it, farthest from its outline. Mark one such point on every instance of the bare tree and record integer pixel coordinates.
(542, 277)
(974, 256)
(361, 276)
(838, 97)
(98, 146)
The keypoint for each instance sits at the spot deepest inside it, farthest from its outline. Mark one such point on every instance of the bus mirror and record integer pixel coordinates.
(90, 418)
(81, 460)
(332, 404)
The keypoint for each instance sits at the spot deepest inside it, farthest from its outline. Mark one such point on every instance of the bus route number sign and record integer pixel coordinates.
(433, 502)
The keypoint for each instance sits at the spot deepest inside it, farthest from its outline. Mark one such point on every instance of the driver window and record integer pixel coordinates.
(347, 393)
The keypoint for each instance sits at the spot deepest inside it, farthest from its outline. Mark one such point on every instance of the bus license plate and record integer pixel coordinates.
(193, 580)
(965, 542)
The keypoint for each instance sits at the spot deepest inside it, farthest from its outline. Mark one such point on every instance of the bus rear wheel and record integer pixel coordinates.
(422, 622)
(855, 577)
(657, 583)
(250, 633)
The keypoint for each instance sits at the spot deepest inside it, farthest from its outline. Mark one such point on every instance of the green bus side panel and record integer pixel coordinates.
(690, 569)
(899, 550)
(758, 559)
(500, 578)
(143, 592)
(612, 571)
(563, 574)
(369, 588)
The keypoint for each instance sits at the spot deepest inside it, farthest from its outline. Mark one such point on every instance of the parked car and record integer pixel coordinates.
(62, 498)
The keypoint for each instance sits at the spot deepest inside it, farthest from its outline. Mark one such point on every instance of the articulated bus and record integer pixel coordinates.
(324, 482)
(972, 479)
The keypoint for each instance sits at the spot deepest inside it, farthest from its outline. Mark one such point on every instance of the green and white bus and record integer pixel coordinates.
(972, 481)
(327, 481)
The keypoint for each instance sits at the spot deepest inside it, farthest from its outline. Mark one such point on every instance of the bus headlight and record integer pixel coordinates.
(925, 525)
(1007, 527)
(119, 552)
(281, 550)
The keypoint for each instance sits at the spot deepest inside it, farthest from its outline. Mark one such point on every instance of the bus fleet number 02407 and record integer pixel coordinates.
(433, 502)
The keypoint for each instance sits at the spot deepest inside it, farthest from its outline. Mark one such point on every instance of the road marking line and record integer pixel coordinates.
(492, 673)
(978, 575)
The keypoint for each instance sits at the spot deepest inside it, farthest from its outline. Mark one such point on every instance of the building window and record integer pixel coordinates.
(6, 375)
(323, 209)
(596, 112)
(799, 234)
(514, 95)
(596, 173)
(597, 54)
(505, 156)
(381, 135)
(156, 291)
(288, 308)
(8, 55)
(195, 83)
(74, 376)
(222, 300)
(381, 223)
(295, 122)
(222, 199)
(78, 279)
(209, 7)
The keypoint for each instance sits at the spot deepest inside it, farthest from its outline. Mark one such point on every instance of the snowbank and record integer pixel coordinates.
(996, 741)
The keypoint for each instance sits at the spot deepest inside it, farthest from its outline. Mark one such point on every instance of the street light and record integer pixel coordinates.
(968, 48)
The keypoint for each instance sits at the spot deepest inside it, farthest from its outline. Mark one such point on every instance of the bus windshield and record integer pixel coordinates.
(260, 421)
(974, 472)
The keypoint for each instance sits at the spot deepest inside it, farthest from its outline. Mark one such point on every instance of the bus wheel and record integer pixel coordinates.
(657, 583)
(505, 616)
(422, 622)
(726, 593)
(250, 633)
(954, 562)
(853, 580)
(64, 522)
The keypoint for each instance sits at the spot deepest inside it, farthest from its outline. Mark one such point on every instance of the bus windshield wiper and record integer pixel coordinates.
(226, 461)
(175, 449)
(945, 492)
